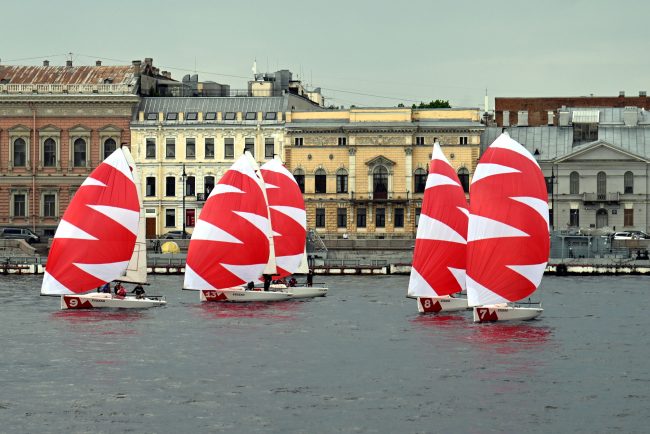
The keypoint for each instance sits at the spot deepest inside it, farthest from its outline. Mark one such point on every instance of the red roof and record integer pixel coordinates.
(66, 75)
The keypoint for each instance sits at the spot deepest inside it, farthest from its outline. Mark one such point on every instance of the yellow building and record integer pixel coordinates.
(363, 171)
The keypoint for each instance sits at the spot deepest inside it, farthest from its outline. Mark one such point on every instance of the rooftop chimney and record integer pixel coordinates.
(642, 93)
(68, 63)
(136, 67)
(46, 63)
(98, 63)
(621, 93)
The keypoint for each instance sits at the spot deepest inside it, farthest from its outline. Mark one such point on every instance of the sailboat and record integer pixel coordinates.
(232, 243)
(288, 223)
(101, 238)
(508, 233)
(438, 269)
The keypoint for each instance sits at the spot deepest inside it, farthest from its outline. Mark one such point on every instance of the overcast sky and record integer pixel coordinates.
(362, 52)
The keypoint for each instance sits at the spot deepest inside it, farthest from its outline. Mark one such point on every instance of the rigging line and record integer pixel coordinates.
(33, 58)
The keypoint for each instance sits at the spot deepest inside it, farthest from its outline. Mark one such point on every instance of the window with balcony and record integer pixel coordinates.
(320, 181)
(170, 147)
(463, 177)
(574, 183)
(628, 182)
(229, 147)
(380, 183)
(320, 217)
(190, 148)
(361, 217)
(341, 181)
(150, 189)
(79, 159)
(170, 186)
(20, 152)
(341, 217)
(209, 147)
(601, 185)
(420, 180)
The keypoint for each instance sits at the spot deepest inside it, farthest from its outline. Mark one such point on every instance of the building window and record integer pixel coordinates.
(152, 116)
(628, 217)
(361, 217)
(320, 183)
(420, 179)
(170, 218)
(549, 184)
(380, 183)
(208, 185)
(190, 189)
(191, 116)
(20, 152)
(380, 217)
(418, 211)
(150, 148)
(229, 147)
(462, 140)
(150, 186)
(574, 218)
(251, 116)
(463, 177)
(585, 132)
(399, 217)
(190, 148)
(574, 183)
(320, 217)
(269, 147)
(172, 116)
(49, 153)
(79, 159)
(170, 147)
(210, 116)
(229, 116)
(209, 147)
(601, 185)
(49, 205)
(602, 218)
(249, 145)
(20, 205)
(343, 141)
(170, 186)
(419, 140)
(341, 181)
(297, 141)
(628, 183)
(270, 116)
(109, 147)
(299, 176)
(341, 217)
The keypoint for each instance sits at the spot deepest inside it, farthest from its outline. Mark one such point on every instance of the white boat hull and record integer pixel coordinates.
(101, 300)
(241, 296)
(505, 313)
(307, 291)
(441, 304)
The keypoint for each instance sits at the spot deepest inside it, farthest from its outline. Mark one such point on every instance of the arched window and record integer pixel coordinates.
(420, 180)
(341, 181)
(463, 177)
(574, 183)
(109, 147)
(49, 153)
(299, 176)
(601, 185)
(628, 183)
(79, 159)
(320, 181)
(380, 183)
(20, 152)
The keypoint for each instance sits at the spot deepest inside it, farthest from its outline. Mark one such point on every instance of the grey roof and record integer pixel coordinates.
(612, 115)
(328, 123)
(213, 104)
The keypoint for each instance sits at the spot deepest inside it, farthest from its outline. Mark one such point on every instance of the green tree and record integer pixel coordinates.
(439, 103)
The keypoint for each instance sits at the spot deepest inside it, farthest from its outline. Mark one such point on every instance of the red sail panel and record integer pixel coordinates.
(440, 246)
(230, 243)
(96, 236)
(508, 236)
(288, 218)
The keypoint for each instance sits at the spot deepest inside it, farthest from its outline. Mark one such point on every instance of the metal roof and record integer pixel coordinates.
(585, 116)
(213, 104)
(67, 75)
(328, 123)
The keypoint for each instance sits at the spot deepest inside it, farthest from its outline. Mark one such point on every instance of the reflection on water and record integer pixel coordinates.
(282, 311)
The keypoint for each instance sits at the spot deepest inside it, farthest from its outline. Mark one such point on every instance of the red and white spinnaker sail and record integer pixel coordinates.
(288, 217)
(508, 235)
(96, 237)
(231, 243)
(440, 246)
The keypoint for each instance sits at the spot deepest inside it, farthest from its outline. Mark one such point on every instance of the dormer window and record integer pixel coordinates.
(229, 116)
(108, 80)
(270, 116)
(191, 116)
(210, 116)
(251, 116)
(172, 116)
(152, 116)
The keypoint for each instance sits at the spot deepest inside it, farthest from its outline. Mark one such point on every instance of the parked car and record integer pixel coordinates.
(175, 235)
(630, 235)
(19, 234)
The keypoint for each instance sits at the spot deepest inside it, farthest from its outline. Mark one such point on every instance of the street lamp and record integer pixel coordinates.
(183, 175)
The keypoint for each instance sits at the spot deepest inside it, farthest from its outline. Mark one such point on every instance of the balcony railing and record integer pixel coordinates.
(601, 197)
(66, 88)
(201, 197)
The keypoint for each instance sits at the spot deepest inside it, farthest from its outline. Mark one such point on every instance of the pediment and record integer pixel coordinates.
(80, 129)
(110, 129)
(380, 161)
(19, 129)
(49, 129)
(600, 151)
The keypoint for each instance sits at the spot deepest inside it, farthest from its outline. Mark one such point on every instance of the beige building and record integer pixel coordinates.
(363, 170)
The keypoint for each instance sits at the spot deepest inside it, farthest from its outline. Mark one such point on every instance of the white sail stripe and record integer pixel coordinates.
(243, 166)
(92, 182)
(246, 273)
(225, 188)
(291, 263)
(69, 231)
(460, 275)
(483, 228)
(275, 165)
(104, 272)
(297, 214)
(541, 206)
(437, 154)
(260, 222)
(419, 287)
(485, 170)
(51, 286)
(118, 161)
(436, 180)
(270, 186)
(275, 234)
(432, 229)
(504, 141)
(478, 295)
(463, 210)
(194, 281)
(533, 272)
(126, 217)
(207, 231)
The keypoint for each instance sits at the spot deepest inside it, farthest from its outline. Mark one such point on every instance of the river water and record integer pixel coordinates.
(361, 360)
